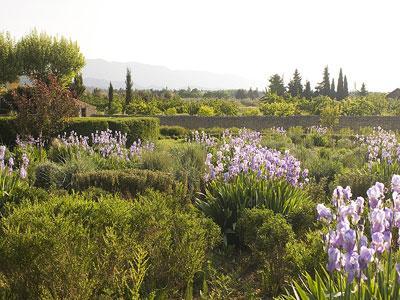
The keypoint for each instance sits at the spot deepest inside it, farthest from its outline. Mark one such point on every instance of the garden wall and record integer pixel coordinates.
(261, 122)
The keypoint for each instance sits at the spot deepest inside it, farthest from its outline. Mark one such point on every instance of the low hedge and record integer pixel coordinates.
(128, 183)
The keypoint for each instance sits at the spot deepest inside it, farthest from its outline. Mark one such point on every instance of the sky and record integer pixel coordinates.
(250, 38)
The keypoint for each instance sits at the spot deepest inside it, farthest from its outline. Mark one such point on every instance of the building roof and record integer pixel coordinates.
(394, 95)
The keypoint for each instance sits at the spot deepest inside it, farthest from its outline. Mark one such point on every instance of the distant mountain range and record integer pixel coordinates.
(98, 73)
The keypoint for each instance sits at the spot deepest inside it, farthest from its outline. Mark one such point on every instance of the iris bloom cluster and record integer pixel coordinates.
(7, 167)
(107, 144)
(279, 130)
(243, 154)
(381, 145)
(351, 248)
(318, 129)
(201, 138)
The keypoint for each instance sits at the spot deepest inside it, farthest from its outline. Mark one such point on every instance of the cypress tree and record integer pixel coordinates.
(345, 87)
(276, 85)
(363, 92)
(333, 89)
(128, 88)
(110, 96)
(295, 87)
(324, 87)
(340, 87)
(307, 91)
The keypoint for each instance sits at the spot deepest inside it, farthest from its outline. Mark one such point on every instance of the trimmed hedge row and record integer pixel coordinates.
(135, 128)
(128, 183)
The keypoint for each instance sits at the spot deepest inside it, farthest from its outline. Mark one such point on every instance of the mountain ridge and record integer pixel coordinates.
(99, 73)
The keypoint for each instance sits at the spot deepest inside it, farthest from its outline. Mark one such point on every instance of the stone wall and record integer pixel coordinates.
(261, 122)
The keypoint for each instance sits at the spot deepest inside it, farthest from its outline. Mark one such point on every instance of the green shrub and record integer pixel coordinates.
(171, 111)
(47, 175)
(279, 109)
(128, 183)
(252, 111)
(8, 132)
(206, 111)
(324, 168)
(73, 248)
(267, 235)
(137, 128)
(85, 126)
(173, 131)
(296, 134)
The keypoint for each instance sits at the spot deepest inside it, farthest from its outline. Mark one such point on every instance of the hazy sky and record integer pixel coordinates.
(252, 38)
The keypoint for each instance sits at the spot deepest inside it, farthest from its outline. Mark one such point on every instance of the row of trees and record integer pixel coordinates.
(326, 87)
(39, 55)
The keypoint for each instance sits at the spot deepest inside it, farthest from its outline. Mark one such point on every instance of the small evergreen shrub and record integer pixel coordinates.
(128, 183)
(173, 131)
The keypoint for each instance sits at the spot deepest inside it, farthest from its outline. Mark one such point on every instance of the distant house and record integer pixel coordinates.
(394, 95)
(85, 109)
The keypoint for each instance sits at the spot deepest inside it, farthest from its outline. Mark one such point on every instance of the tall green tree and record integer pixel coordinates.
(42, 55)
(241, 94)
(308, 93)
(276, 85)
(340, 86)
(363, 92)
(295, 87)
(345, 87)
(110, 96)
(333, 89)
(324, 87)
(77, 88)
(128, 89)
(9, 68)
